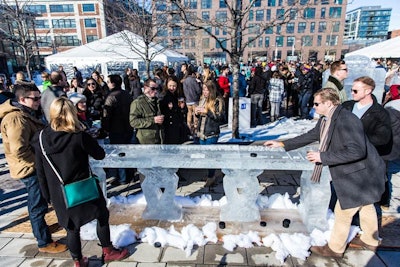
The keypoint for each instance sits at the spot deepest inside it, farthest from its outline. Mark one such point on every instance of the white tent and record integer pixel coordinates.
(386, 49)
(113, 54)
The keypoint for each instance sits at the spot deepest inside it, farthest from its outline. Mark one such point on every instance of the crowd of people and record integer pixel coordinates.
(190, 104)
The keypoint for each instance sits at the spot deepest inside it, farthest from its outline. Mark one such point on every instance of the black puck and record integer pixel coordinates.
(253, 155)
(221, 225)
(263, 223)
(157, 244)
(122, 154)
(286, 223)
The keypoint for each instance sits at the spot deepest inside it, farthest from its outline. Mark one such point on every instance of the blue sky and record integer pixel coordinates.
(394, 4)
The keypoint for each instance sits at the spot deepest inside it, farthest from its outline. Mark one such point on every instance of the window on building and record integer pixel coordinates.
(335, 12)
(192, 4)
(37, 9)
(279, 41)
(309, 13)
(293, 13)
(323, 12)
(331, 40)
(221, 43)
(278, 29)
(268, 12)
(266, 43)
(269, 30)
(90, 23)
(280, 2)
(205, 15)
(291, 2)
(301, 27)
(319, 40)
(63, 23)
(91, 38)
(162, 32)
(257, 3)
(312, 27)
(67, 40)
(254, 28)
(251, 15)
(222, 4)
(252, 42)
(186, 43)
(280, 13)
(44, 41)
(270, 2)
(42, 24)
(260, 15)
(216, 31)
(338, 2)
(61, 8)
(290, 41)
(336, 26)
(221, 15)
(175, 18)
(290, 27)
(306, 40)
(164, 42)
(192, 42)
(205, 43)
(324, 2)
(206, 4)
(303, 2)
(316, 2)
(176, 31)
(190, 32)
(88, 7)
(207, 30)
(322, 26)
(260, 42)
(160, 6)
(177, 44)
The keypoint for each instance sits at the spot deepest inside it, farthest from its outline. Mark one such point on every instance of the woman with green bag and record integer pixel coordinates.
(68, 147)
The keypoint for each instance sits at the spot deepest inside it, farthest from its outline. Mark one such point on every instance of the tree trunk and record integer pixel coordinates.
(235, 102)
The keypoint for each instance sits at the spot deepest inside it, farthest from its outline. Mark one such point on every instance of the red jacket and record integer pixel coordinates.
(223, 83)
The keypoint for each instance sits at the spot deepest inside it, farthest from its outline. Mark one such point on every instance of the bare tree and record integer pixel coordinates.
(21, 29)
(136, 16)
(238, 26)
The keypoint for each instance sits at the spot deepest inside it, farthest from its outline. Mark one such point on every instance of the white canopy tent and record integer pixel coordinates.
(386, 49)
(112, 54)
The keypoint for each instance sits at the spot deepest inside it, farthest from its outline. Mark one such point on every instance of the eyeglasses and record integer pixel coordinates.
(36, 98)
(317, 104)
(344, 69)
(153, 88)
(354, 91)
(89, 84)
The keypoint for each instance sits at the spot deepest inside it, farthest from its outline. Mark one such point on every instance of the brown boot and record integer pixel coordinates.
(84, 262)
(325, 251)
(113, 254)
(53, 248)
(358, 243)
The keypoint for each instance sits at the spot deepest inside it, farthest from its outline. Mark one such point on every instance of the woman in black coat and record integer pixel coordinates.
(68, 148)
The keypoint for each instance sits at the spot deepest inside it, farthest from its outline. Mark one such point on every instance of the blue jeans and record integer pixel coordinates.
(37, 209)
(210, 141)
(304, 98)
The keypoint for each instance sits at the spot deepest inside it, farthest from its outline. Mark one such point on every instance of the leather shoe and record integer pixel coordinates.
(325, 251)
(53, 248)
(358, 243)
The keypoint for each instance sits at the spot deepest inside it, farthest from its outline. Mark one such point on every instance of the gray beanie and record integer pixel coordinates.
(76, 97)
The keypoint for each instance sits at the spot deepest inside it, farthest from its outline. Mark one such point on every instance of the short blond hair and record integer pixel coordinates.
(63, 116)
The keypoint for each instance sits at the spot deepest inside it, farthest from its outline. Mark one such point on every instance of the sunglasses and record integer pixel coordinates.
(344, 69)
(317, 104)
(36, 98)
(89, 84)
(153, 88)
(354, 91)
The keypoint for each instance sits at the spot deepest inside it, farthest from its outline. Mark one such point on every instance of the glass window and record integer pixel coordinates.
(332, 40)
(280, 13)
(37, 9)
(325, 2)
(206, 43)
(216, 31)
(309, 13)
(278, 29)
(290, 27)
(291, 2)
(90, 23)
(280, 2)
(177, 44)
(303, 2)
(290, 41)
(206, 4)
(271, 3)
(336, 26)
(257, 3)
(160, 6)
(186, 43)
(268, 11)
(259, 15)
(323, 11)
(306, 40)
(335, 12)
(67, 40)
(192, 4)
(176, 31)
(269, 30)
(252, 42)
(44, 41)
(251, 15)
(266, 42)
(279, 41)
(221, 15)
(207, 30)
(312, 27)
(260, 42)
(254, 28)
(63, 23)
(223, 43)
(222, 4)
(61, 8)
(42, 24)
(301, 27)
(293, 14)
(192, 42)
(338, 2)
(205, 15)
(91, 38)
(162, 31)
(319, 40)
(322, 26)
(88, 7)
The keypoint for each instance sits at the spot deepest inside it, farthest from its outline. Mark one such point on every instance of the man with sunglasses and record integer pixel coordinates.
(19, 122)
(339, 72)
(145, 115)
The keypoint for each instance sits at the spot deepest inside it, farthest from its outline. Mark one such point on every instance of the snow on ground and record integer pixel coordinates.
(296, 245)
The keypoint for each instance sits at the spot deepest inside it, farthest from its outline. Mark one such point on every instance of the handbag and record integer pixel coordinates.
(78, 192)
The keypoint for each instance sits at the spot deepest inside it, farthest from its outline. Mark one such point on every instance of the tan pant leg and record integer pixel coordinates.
(341, 228)
(189, 118)
(369, 225)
